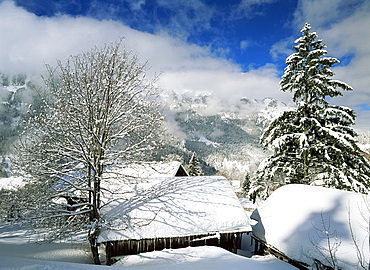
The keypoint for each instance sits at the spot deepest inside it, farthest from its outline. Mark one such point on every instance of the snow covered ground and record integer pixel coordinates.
(295, 220)
(19, 251)
(299, 220)
(20, 242)
(205, 257)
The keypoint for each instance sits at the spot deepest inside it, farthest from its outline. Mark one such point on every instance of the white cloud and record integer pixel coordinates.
(226, 87)
(244, 44)
(282, 49)
(136, 5)
(362, 121)
(247, 8)
(324, 12)
(29, 41)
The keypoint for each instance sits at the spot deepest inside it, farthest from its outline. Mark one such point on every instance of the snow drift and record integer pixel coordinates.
(298, 220)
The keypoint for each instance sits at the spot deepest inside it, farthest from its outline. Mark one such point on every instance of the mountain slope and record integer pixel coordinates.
(227, 140)
(225, 136)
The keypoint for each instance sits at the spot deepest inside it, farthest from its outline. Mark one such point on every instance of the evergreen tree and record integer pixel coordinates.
(246, 184)
(194, 167)
(315, 142)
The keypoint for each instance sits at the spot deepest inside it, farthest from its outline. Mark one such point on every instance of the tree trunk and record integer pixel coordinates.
(94, 246)
(94, 218)
(90, 191)
(305, 168)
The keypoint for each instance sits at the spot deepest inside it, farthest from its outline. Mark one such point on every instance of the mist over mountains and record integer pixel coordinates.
(224, 133)
(225, 137)
(14, 94)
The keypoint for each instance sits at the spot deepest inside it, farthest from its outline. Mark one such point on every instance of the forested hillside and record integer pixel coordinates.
(16, 93)
(227, 140)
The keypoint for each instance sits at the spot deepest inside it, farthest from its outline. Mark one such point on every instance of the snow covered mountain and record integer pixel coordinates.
(224, 134)
(15, 91)
(225, 137)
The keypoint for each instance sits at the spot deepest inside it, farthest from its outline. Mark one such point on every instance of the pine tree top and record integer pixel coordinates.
(194, 167)
(308, 74)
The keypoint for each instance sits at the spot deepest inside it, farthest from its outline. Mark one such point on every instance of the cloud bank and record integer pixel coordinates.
(29, 41)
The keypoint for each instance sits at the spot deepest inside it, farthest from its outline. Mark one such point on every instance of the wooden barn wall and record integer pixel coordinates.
(230, 241)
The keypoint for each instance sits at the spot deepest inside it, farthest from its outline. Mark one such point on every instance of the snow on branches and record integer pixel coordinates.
(314, 144)
(99, 111)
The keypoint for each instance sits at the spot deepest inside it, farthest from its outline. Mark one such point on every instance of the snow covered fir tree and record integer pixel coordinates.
(314, 143)
(194, 168)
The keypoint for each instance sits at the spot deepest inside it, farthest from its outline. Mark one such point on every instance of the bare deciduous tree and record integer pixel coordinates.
(328, 252)
(361, 243)
(99, 112)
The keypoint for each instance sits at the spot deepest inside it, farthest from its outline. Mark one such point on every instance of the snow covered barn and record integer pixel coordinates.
(315, 227)
(176, 212)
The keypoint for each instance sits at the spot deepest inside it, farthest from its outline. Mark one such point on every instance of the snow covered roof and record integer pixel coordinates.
(153, 169)
(296, 219)
(176, 207)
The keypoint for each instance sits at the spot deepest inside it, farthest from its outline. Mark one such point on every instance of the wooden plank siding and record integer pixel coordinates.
(230, 241)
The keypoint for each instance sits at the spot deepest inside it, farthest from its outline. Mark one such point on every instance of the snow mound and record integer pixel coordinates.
(177, 206)
(200, 258)
(296, 219)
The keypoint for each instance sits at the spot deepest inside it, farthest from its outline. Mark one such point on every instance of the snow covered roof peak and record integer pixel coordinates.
(152, 169)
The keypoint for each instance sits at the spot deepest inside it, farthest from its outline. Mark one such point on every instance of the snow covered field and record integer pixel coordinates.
(300, 220)
(200, 258)
(18, 251)
(295, 219)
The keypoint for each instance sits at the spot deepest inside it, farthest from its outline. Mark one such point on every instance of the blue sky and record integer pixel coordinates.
(228, 49)
(240, 31)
